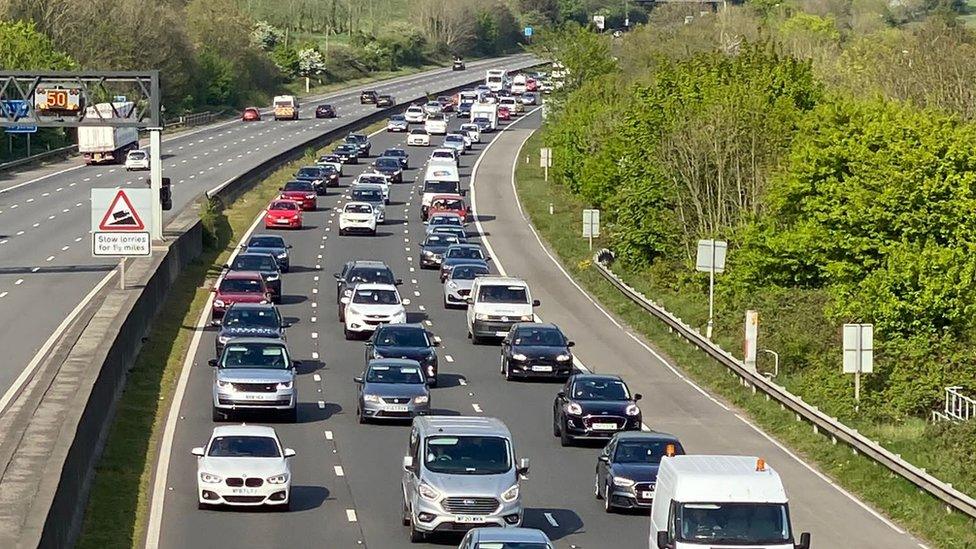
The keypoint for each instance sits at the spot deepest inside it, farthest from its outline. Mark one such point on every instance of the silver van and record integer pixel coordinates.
(460, 473)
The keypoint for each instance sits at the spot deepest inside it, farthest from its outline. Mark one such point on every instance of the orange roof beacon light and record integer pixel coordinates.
(760, 465)
(669, 450)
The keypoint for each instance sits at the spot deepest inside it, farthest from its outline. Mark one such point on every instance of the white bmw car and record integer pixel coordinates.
(243, 465)
(371, 305)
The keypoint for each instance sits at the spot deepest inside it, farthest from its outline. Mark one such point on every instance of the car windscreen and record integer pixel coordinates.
(440, 240)
(733, 523)
(448, 204)
(379, 276)
(394, 374)
(137, 155)
(283, 103)
(465, 253)
(396, 336)
(446, 220)
(245, 318)
(243, 446)
(312, 173)
(644, 451)
(358, 208)
(468, 272)
(283, 205)
(397, 118)
(469, 127)
(367, 195)
(240, 286)
(539, 337)
(375, 297)
(248, 262)
(266, 242)
(454, 139)
(492, 293)
(481, 120)
(299, 186)
(440, 186)
(395, 152)
(600, 389)
(375, 179)
(467, 455)
(418, 131)
(255, 355)
(388, 163)
(329, 169)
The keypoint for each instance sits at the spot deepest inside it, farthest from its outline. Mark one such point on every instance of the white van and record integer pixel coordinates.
(285, 107)
(519, 84)
(719, 502)
(495, 79)
(495, 304)
(440, 178)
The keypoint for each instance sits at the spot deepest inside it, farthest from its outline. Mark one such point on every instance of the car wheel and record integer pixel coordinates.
(555, 425)
(216, 415)
(347, 333)
(564, 438)
(416, 536)
(342, 317)
(342, 232)
(360, 416)
(433, 381)
(607, 506)
(204, 506)
(475, 340)
(405, 515)
(291, 415)
(285, 507)
(508, 373)
(596, 487)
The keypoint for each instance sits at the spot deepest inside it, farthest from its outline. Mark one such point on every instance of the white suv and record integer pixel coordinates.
(414, 114)
(495, 304)
(357, 217)
(370, 305)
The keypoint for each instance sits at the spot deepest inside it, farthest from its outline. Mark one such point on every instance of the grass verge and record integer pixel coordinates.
(891, 495)
(118, 506)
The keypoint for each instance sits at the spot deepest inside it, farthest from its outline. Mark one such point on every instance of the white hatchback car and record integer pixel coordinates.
(243, 465)
(418, 138)
(137, 160)
(445, 155)
(414, 114)
(472, 131)
(436, 124)
(371, 305)
(357, 217)
(375, 178)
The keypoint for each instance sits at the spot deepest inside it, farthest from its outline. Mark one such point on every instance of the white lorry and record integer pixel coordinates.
(495, 79)
(719, 502)
(519, 84)
(105, 144)
(485, 110)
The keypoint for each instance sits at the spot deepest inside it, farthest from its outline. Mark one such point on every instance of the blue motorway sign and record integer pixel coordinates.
(528, 31)
(16, 108)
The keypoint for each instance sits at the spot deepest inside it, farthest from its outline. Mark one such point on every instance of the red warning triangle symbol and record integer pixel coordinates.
(121, 216)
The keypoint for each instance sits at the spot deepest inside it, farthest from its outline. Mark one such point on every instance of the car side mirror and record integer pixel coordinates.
(344, 300)
(281, 188)
(464, 192)
(398, 281)
(536, 303)
(804, 541)
(604, 458)
(358, 379)
(198, 451)
(368, 344)
(288, 246)
(561, 394)
(570, 343)
(336, 276)
(469, 300)
(523, 467)
(215, 322)
(408, 463)
(286, 324)
(213, 362)
(289, 453)
(662, 540)
(243, 246)
(638, 396)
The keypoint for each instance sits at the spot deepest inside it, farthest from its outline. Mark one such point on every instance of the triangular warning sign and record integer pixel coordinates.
(121, 216)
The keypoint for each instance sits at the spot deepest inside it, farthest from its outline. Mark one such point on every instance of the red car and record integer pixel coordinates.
(504, 113)
(283, 213)
(251, 114)
(531, 85)
(238, 287)
(448, 203)
(302, 192)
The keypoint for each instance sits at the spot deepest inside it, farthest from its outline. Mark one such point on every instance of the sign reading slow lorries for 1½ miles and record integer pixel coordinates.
(119, 221)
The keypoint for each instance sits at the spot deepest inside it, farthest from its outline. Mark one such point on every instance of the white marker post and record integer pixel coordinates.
(711, 260)
(858, 355)
(751, 340)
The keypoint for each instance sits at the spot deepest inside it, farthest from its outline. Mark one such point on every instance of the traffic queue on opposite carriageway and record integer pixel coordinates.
(255, 372)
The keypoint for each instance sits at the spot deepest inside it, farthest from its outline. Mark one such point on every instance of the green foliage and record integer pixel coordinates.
(24, 48)
(586, 55)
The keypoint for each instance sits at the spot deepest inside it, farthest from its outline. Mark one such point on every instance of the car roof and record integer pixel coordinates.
(368, 263)
(646, 435)
(357, 204)
(252, 306)
(242, 275)
(393, 362)
(499, 534)
(463, 425)
(268, 340)
(374, 286)
(595, 377)
(253, 430)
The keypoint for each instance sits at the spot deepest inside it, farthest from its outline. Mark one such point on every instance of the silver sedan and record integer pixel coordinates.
(392, 388)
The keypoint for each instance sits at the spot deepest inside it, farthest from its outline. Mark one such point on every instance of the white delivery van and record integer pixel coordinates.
(495, 79)
(440, 178)
(519, 84)
(719, 502)
(495, 304)
(486, 110)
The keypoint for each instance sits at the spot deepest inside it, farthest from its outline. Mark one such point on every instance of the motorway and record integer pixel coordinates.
(46, 267)
(346, 476)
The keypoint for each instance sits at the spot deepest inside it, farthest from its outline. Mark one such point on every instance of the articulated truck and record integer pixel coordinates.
(105, 144)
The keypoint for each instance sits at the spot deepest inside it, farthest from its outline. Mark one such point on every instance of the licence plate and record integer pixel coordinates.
(605, 426)
(396, 407)
(252, 396)
(542, 368)
(501, 334)
(647, 495)
(469, 519)
(244, 491)
(282, 221)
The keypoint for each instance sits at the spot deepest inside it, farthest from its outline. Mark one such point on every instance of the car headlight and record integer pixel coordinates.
(347, 292)
(563, 358)
(622, 482)
(511, 494)
(284, 385)
(224, 384)
(427, 492)
(218, 303)
(278, 479)
(371, 398)
(422, 399)
(377, 354)
(480, 316)
(526, 318)
(273, 276)
(519, 356)
(428, 253)
(210, 478)
(430, 370)
(633, 410)
(223, 339)
(282, 255)
(452, 285)
(574, 409)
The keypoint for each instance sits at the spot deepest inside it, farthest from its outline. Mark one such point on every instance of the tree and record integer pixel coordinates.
(266, 36)
(25, 48)
(585, 55)
(450, 25)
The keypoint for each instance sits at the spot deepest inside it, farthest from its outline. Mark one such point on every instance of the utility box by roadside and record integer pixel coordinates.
(858, 355)
(591, 225)
(545, 160)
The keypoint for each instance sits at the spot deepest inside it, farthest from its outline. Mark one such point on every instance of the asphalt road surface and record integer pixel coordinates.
(346, 476)
(46, 267)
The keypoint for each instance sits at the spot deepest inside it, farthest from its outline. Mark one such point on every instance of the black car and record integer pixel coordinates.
(367, 96)
(348, 153)
(270, 244)
(249, 320)
(361, 141)
(325, 111)
(410, 341)
(464, 110)
(354, 272)
(594, 406)
(265, 264)
(433, 247)
(331, 175)
(384, 101)
(318, 176)
(535, 349)
(390, 167)
(626, 470)
(400, 155)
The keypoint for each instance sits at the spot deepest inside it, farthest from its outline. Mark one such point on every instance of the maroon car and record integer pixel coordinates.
(302, 192)
(238, 287)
